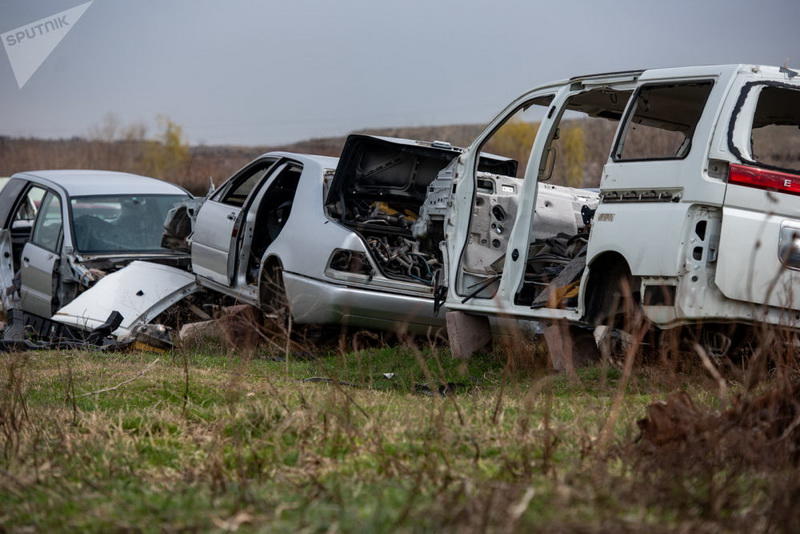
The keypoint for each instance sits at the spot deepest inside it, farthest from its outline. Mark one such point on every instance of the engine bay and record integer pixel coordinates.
(378, 191)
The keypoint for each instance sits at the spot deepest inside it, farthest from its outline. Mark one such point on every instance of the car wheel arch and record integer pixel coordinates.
(270, 264)
(605, 267)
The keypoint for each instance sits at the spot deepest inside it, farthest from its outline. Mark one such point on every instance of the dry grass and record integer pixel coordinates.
(253, 447)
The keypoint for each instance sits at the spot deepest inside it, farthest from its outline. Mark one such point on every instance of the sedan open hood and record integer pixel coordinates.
(389, 168)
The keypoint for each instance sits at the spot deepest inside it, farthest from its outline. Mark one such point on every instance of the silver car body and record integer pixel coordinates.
(227, 227)
(317, 295)
(50, 269)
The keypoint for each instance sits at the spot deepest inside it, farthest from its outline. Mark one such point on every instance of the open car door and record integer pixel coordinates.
(503, 258)
(218, 221)
(6, 270)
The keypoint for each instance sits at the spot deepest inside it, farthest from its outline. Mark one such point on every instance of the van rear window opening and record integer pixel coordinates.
(661, 122)
(775, 134)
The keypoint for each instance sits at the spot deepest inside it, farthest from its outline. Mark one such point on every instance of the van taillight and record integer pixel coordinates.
(764, 179)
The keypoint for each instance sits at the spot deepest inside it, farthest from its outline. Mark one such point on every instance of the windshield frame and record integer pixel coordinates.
(143, 252)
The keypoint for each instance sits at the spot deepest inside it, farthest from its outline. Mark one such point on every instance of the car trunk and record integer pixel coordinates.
(377, 191)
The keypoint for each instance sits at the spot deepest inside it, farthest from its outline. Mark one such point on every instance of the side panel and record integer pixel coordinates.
(648, 235)
(212, 240)
(316, 302)
(36, 275)
(750, 267)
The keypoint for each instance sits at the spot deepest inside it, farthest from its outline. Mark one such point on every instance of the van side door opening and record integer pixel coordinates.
(495, 200)
(559, 234)
(558, 227)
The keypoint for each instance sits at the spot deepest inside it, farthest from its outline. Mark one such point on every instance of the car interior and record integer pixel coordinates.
(22, 222)
(272, 215)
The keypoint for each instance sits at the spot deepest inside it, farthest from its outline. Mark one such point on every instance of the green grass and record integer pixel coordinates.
(254, 447)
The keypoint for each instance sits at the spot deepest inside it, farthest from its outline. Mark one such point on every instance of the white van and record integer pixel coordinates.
(699, 210)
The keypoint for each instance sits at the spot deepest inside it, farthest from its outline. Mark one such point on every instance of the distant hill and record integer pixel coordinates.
(204, 161)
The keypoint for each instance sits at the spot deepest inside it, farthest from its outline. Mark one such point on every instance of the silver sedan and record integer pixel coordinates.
(64, 230)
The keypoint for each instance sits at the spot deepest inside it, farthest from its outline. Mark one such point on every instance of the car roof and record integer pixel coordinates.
(683, 70)
(326, 162)
(87, 182)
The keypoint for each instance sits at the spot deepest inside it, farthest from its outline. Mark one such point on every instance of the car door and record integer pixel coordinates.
(468, 285)
(216, 228)
(495, 255)
(14, 194)
(40, 258)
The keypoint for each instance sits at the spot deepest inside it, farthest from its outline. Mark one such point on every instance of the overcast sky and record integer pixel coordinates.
(260, 72)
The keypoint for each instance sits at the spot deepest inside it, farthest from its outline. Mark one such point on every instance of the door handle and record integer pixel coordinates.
(231, 216)
(26, 260)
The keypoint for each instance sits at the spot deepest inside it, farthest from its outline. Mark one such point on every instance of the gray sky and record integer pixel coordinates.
(260, 72)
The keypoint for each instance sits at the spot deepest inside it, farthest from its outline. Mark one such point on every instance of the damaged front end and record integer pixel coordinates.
(142, 293)
(378, 191)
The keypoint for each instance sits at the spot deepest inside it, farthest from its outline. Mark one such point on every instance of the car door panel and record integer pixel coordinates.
(39, 261)
(219, 220)
(212, 239)
(36, 276)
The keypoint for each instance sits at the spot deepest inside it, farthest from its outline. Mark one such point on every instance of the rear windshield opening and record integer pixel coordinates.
(662, 122)
(775, 137)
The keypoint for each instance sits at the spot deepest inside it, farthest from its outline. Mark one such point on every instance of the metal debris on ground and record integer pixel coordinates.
(22, 334)
(442, 390)
(327, 380)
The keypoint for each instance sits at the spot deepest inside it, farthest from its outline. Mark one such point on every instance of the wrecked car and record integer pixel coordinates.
(65, 230)
(698, 211)
(333, 241)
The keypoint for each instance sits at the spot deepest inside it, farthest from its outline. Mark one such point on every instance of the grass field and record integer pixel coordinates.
(200, 440)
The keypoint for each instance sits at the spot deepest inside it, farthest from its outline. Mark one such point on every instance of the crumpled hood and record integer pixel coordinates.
(140, 292)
